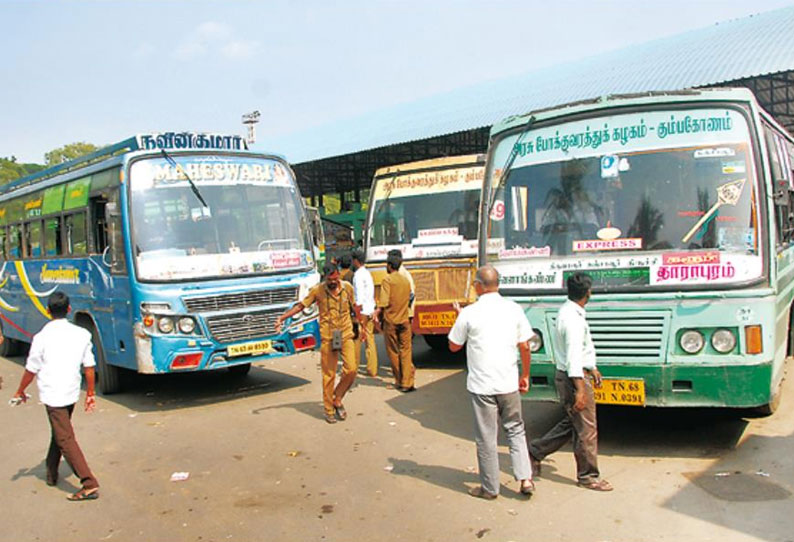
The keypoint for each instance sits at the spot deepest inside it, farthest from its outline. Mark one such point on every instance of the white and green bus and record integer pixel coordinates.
(679, 206)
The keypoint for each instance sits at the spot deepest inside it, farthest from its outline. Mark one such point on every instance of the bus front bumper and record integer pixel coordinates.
(734, 386)
(166, 354)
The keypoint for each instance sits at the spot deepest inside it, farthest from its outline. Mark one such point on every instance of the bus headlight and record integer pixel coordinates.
(186, 325)
(536, 342)
(723, 341)
(692, 341)
(165, 324)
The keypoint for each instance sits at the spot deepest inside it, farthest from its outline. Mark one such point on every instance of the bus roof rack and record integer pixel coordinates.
(152, 141)
(104, 153)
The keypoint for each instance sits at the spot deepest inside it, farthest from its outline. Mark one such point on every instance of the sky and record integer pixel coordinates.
(101, 71)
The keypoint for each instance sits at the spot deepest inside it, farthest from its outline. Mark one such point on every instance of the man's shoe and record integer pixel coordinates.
(480, 493)
(408, 390)
(536, 466)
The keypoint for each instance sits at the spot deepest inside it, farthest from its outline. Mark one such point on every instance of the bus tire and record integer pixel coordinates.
(10, 347)
(439, 343)
(108, 376)
(240, 370)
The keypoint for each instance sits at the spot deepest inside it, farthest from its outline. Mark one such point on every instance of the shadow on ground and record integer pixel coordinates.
(175, 391)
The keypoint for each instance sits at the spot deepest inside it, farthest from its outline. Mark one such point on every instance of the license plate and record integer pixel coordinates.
(620, 392)
(437, 319)
(258, 347)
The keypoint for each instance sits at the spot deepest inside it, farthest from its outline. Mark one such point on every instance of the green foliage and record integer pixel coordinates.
(69, 152)
(11, 170)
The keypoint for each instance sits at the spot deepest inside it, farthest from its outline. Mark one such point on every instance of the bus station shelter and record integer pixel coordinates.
(341, 158)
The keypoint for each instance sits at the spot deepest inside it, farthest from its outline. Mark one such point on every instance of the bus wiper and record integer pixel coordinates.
(181, 170)
(509, 162)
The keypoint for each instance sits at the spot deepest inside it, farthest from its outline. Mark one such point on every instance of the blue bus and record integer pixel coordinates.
(178, 251)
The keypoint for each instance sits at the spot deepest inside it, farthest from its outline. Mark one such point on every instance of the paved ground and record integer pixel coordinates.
(264, 466)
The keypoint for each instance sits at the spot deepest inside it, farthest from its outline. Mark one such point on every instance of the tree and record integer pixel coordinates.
(10, 169)
(69, 152)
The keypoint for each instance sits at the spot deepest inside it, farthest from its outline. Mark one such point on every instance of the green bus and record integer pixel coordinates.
(679, 206)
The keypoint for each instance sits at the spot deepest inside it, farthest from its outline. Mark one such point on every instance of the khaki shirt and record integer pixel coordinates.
(334, 309)
(407, 274)
(395, 297)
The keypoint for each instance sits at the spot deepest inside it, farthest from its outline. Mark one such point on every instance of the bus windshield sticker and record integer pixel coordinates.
(609, 166)
(733, 167)
(633, 243)
(691, 258)
(715, 152)
(520, 252)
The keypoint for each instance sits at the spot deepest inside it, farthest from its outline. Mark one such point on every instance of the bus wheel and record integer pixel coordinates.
(108, 376)
(240, 370)
(10, 347)
(439, 343)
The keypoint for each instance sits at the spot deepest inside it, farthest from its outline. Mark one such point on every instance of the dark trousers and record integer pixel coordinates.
(579, 425)
(63, 443)
(399, 349)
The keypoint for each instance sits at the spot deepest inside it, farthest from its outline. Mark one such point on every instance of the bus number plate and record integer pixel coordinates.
(437, 319)
(258, 347)
(620, 392)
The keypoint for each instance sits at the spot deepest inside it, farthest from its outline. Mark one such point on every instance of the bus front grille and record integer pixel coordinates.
(231, 328)
(242, 300)
(624, 336)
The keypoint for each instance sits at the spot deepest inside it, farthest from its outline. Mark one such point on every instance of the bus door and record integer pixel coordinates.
(111, 286)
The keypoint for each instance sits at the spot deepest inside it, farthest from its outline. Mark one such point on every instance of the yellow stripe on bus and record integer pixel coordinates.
(23, 278)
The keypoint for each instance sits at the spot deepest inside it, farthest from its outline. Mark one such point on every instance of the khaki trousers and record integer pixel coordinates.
(329, 360)
(63, 443)
(582, 426)
(398, 346)
(368, 329)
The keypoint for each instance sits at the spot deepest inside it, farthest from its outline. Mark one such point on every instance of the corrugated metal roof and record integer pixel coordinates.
(753, 46)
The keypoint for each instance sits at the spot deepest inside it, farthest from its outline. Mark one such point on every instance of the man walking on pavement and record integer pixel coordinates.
(393, 315)
(364, 289)
(576, 366)
(335, 302)
(56, 356)
(492, 328)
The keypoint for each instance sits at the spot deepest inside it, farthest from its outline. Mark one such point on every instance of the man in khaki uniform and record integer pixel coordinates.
(393, 315)
(407, 274)
(335, 301)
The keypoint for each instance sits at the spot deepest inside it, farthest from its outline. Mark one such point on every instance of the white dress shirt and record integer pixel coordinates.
(56, 355)
(491, 328)
(573, 346)
(364, 290)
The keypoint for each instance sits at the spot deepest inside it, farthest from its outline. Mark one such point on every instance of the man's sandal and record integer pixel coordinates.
(330, 418)
(596, 485)
(84, 495)
(527, 489)
(480, 493)
(341, 413)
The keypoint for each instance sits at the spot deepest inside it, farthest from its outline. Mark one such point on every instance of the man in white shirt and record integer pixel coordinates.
(491, 329)
(576, 366)
(364, 289)
(56, 356)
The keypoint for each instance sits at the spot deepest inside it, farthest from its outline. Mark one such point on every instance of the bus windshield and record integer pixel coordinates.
(666, 202)
(252, 223)
(426, 215)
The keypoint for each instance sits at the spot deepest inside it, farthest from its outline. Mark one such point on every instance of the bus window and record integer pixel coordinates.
(3, 252)
(33, 239)
(76, 241)
(52, 237)
(14, 242)
(99, 223)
